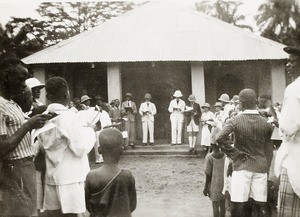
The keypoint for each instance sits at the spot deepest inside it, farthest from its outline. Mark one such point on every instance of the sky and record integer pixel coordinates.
(21, 8)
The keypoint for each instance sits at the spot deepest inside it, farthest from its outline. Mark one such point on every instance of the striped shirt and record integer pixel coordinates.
(11, 119)
(252, 136)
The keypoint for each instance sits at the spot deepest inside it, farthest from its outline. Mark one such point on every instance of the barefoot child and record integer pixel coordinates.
(214, 171)
(109, 190)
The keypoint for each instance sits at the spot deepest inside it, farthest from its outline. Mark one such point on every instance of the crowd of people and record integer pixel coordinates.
(44, 166)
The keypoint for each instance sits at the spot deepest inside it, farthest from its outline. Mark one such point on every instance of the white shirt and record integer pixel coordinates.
(288, 155)
(66, 146)
(147, 107)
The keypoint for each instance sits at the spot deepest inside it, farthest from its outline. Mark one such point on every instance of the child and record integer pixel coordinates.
(214, 171)
(109, 190)
(206, 120)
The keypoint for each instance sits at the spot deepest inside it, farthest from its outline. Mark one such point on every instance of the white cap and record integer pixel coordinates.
(33, 82)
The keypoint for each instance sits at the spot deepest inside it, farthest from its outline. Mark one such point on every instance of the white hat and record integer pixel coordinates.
(84, 98)
(224, 98)
(33, 82)
(177, 93)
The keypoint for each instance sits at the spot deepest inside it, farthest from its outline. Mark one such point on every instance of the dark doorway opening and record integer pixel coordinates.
(229, 84)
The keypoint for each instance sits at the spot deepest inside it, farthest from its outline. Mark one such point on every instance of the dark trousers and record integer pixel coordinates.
(19, 197)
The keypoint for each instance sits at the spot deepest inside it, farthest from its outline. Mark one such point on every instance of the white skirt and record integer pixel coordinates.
(205, 136)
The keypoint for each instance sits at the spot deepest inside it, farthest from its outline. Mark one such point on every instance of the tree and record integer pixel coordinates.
(66, 19)
(279, 20)
(59, 21)
(223, 10)
(22, 36)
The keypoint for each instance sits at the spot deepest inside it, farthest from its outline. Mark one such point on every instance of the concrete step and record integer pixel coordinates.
(162, 149)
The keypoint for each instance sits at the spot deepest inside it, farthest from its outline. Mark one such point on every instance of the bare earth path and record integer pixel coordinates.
(168, 186)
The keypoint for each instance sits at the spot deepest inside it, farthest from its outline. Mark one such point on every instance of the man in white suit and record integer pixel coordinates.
(176, 108)
(147, 111)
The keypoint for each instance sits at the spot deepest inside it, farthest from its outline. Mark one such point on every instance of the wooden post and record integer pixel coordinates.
(278, 81)
(114, 82)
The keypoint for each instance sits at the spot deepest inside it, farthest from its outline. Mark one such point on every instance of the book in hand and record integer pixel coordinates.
(128, 109)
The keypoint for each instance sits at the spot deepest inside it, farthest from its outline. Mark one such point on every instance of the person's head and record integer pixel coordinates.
(247, 99)
(264, 100)
(76, 101)
(85, 100)
(224, 99)
(206, 107)
(35, 86)
(111, 141)
(128, 96)
(192, 98)
(12, 77)
(215, 147)
(24, 99)
(293, 65)
(148, 97)
(235, 100)
(177, 95)
(98, 100)
(117, 102)
(218, 106)
(57, 90)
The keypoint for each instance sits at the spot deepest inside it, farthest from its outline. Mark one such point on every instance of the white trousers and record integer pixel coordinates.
(176, 126)
(148, 125)
(98, 157)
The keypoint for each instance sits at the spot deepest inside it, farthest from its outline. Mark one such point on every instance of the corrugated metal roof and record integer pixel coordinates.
(161, 31)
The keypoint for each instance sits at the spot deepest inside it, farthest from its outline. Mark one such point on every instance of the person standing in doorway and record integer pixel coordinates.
(147, 111)
(176, 108)
(193, 114)
(128, 111)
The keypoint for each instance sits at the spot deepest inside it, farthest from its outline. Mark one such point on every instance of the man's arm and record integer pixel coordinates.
(289, 122)
(223, 141)
(269, 146)
(8, 144)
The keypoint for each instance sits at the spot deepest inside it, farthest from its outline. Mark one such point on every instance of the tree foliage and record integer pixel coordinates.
(279, 20)
(59, 21)
(223, 10)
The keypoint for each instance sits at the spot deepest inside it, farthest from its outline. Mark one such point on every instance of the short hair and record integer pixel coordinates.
(248, 98)
(7, 66)
(56, 87)
(110, 139)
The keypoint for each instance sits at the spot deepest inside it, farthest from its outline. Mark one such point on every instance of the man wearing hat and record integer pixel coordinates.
(193, 114)
(287, 161)
(176, 108)
(36, 87)
(147, 111)
(128, 111)
(86, 101)
(224, 99)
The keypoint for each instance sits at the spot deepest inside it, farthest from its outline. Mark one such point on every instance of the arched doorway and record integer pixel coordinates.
(229, 84)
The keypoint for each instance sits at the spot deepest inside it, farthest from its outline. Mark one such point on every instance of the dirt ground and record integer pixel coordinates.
(168, 186)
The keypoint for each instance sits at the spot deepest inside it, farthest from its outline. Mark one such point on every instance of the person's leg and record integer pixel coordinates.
(190, 138)
(194, 138)
(173, 132)
(127, 128)
(215, 205)
(151, 131)
(240, 188)
(145, 132)
(179, 132)
(222, 208)
(132, 133)
(29, 184)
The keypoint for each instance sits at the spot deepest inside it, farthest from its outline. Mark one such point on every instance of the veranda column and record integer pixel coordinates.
(278, 82)
(198, 89)
(40, 74)
(114, 82)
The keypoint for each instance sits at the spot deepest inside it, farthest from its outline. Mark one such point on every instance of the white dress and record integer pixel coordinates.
(205, 134)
